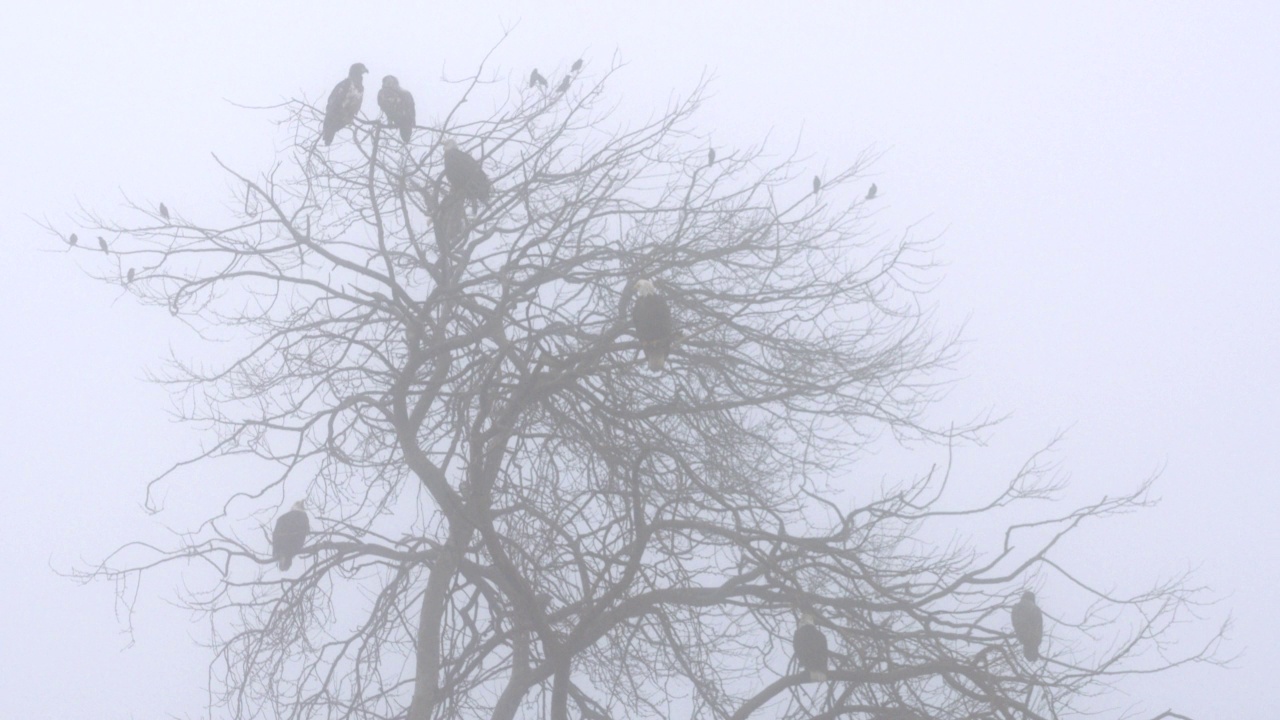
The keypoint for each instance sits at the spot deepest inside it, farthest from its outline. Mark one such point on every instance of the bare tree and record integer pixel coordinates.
(513, 516)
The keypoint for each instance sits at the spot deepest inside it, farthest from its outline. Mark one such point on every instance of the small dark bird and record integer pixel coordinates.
(464, 174)
(290, 535)
(871, 192)
(577, 65)
(652, 317)
(811, 648)
(73, 239)
(711, 157)
(103, 244)
(164, 212)
(129, 278)
(397, 103)
(564, 84)
(536, 79)
(817, 184)
(1028, 625)
(344, 102)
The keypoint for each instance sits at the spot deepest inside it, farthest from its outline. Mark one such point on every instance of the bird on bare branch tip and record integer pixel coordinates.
(344, 102)
(103, 244)
(164, 212)
(536, 79)
(871, 192)
(577, 65)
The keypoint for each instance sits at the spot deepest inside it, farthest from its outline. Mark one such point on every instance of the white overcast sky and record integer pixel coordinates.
(1104, 179)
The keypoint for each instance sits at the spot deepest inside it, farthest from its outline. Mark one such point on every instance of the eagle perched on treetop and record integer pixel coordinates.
(397, 103)
(344, 102)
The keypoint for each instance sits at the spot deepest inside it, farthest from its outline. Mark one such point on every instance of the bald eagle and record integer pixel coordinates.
(817, 184)
(871, 192)
(577, 65)
(711, 157)
(652, 317)
(1028, 625)
(465, 175)
(103, 244)
(290, 535)
(811, 648)
(397, 103)
(344, 102)
(73, 240)
(129, 278)
(536, 78)
(564, 84)
(164, 212)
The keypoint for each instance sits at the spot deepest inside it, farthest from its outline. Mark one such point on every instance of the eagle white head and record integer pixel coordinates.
(450, 144)
(645, 287)
(300, 505)
(806, 618)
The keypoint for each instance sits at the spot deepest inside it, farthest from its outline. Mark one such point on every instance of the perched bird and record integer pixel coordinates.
(73, 240)
(465, 175)
(564, 84)
(397, 103)
(344, 102)
(164, 212)
(103, 244)
(811, 648)
(129, 278)
(536, 79)
(871, 192)
(711, 157)
(817, 184)
(652, 317)
(290, 535)
(1028, 625)
(577, 65)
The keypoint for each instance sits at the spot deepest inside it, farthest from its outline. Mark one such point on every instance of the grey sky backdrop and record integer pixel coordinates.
(1104, 181)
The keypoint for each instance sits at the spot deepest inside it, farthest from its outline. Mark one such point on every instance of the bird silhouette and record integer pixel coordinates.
(817, 184)
(164, 212)
(577, 65)
(103, 244)
(73, 240)
(535, 78)
(871, 192)
(711, 157)
(564, 84)
(129, 278)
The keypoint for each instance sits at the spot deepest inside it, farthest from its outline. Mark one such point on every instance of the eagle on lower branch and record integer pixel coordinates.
(652, 317)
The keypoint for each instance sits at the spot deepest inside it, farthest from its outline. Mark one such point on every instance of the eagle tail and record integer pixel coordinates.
(286, 563)
(406, 133)
(817, 675)
(657, 358)
(1031, 653)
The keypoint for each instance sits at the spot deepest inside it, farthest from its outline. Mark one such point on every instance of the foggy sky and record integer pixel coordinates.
(1103, 181)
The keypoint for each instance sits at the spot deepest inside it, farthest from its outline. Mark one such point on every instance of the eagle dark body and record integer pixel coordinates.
(464, 174)
(290, 535)
(811, 650)
(652, 317)
(344, 102)
(397, 103)
(1028, 625)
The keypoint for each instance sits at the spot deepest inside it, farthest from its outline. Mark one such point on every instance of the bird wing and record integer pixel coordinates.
(652, 318)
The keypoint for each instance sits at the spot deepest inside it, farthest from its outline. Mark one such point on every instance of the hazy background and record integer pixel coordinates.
(1104, 180)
